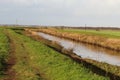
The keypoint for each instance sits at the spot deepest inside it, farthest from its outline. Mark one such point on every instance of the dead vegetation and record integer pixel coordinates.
(96, 67)
(110, 43)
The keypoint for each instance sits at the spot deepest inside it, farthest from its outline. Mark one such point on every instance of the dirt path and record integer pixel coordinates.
(10, 72)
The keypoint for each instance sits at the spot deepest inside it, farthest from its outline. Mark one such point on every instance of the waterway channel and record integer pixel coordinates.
(86, 51)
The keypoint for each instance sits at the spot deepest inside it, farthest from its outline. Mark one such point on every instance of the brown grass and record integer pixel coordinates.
(109, 43)
(95, 66)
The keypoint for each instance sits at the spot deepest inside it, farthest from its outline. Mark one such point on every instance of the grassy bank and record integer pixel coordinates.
(4, 50)
(98, 67)
(102, 41)
(36, 61)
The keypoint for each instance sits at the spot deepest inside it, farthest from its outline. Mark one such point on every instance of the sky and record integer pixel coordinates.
(60, 12)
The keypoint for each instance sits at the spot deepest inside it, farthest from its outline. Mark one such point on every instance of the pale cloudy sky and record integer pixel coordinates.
(61, 12)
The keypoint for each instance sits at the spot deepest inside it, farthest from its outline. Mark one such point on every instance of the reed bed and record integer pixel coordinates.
(98, 67)
(110, 43)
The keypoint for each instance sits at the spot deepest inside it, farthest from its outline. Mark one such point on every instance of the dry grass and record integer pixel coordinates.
(98, 67)
(110, 43)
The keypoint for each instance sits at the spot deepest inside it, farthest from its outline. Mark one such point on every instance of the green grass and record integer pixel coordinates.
(36, 61)
(4, 49)
(104, 33)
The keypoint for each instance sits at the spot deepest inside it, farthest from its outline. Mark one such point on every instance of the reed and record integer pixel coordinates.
(109, 43)
(97, 67)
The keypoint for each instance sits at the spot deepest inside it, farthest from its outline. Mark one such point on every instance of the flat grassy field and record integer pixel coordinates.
(104, 33)
(36, 61)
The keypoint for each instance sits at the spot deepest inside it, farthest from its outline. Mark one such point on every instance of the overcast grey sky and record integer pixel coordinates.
(61, 12)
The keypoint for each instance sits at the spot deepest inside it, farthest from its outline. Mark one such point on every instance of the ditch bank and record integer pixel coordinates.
(109, 43)
(97, 67)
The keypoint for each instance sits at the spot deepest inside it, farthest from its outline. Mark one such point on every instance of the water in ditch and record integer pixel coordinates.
(87, 51)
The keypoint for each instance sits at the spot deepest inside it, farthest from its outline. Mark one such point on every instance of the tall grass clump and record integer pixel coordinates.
(94, 38)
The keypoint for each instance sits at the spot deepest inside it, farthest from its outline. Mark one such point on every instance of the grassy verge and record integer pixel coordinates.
(4, 50)
(35, 61)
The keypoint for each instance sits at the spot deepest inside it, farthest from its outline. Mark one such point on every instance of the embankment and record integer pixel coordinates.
(4, 51)
(35, 60)
(110, 43)
(96, 67)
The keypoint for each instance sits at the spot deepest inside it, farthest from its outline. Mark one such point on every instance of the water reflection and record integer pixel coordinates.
(87, 50)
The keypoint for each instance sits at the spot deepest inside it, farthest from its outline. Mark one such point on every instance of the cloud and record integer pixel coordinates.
(61, 11)
(97, 7)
